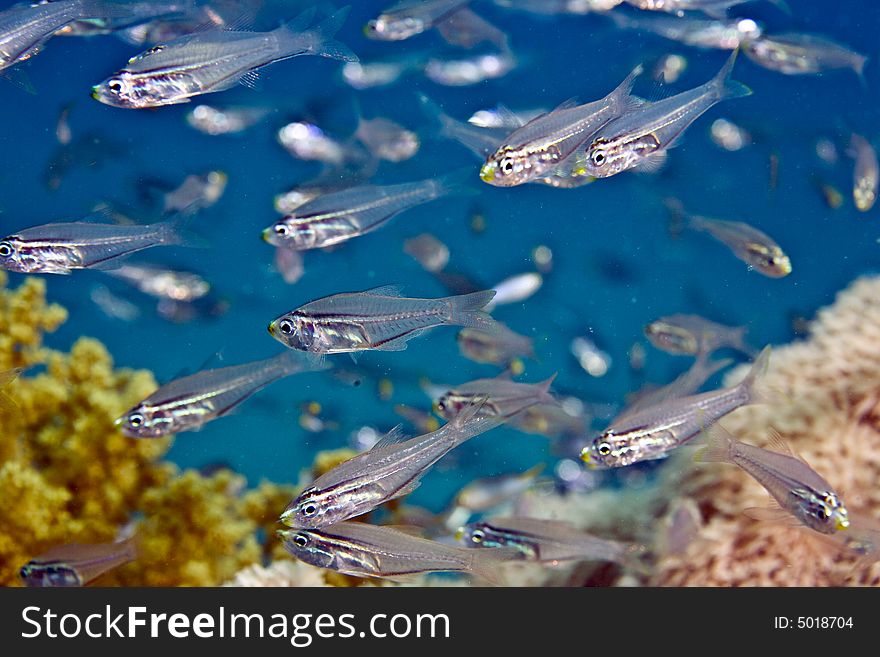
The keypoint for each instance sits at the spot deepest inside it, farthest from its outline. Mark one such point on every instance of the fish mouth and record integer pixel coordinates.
(589, 463)
(841, 523)
(459, 535)
(487, 173)
(267, 235)
(271, 328)
(96, 93)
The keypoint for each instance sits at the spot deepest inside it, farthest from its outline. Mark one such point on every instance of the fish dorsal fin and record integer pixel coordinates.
(250, 79)
(508, 116)
(385, 291)
(506, 375)
(393, 437)
(566, 104)
(775, 443)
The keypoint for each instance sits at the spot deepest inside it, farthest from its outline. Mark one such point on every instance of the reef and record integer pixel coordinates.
(831, 417)
(69, 476)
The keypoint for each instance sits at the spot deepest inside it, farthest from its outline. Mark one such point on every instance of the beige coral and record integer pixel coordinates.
(832, 419)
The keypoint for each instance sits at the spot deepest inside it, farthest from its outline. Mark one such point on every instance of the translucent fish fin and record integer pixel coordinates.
(717, 446)
(406, 490)
(293, 361)
(385, 291)
(623, 92)
(466, 29)
(758, 391)
(652, 163)
(508, 117)
(486, 562)
(775, 443)
(176, 229)
(566, 104)
(322, 43)
(399, 344)
(466, 310)
(727, 87)
(772, 514)
(17, 77)
(393, 437)
(250, 79)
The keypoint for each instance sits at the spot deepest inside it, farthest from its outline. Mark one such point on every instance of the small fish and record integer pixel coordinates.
(63, 132)
(113, 305)
(729, 136)
(516, 288)
(428, 251)
(368, 75)
(652, 432)
(747, 243)
(215, 60)
(61, 248)
(724, 34)
(187, 403)
(556, 7)
(356, 548)
(470, 70)
(340, 216)
(482, 495)
(547, 541)
(138, 13)
(558, 419)
(482, 142)
(224, 121)
(789, 479)
(714, 8)
(537, 148)
(378, 319)
(502, 397)
(692, 335)
(289, 263)
(392, 468)
(590, 357)
(307, 141)
(387, 140)
(803, 54)
(640, 139)
(25, 29)
(497, 347)
(411, 17)
(163, 283)
(866, 176)
(502, 118)
(77, 564)
(196, 192)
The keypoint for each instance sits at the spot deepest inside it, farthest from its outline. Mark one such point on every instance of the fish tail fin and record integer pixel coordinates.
(859, 68)
(486, 563)
(632, 558)
(293, 40)
(543, 389)
(726, 86)
(467, 310)
(454, 183)
(436, 115)
(757, 391)
(177, 229)
(718, 447)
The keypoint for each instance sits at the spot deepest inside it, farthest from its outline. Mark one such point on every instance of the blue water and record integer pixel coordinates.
(615, 265)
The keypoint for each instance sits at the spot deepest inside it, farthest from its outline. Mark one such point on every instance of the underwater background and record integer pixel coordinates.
(616, 264)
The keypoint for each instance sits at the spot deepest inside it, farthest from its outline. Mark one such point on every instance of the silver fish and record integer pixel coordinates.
(547, 541)
(789, 479)
(428, 251)
(112, 305)
(307, 141)
(652, 432)
(356, 548)
(187, 403)
(163, 283)
(196, 192)
(24, 29)
(378, 319)
(224, 121)
(340, 216)
(61, 248)
(754, 247)
(367, 75)
(555, 7)
(537, 148)
(692, 335)
(514, 289)
(387, 140)
(803, 54)
(503, 398)
(393, 468)
(866, 176)
(497, 347)
(483, 495)
(462, 72)
(724, 34)
(411, 17)
(482, 142)
(215, 60)
(77, 564)
(714, 8)
(136, 13)
(641, 138)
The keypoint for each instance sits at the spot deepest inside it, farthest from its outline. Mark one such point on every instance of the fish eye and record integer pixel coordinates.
(135, 420)
(285, 326)
(604, 449)
(301, 540)
(115, 85)
(281, 230)
(506, 166)
(6, 249)
(598, 158)
(478, 536)
(309, 510)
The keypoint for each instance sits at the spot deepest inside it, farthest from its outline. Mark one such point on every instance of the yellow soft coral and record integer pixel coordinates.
(69, 476)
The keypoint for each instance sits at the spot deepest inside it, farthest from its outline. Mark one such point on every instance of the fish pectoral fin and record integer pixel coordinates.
(251, 79)
(772, 514)
(399, 344)
(406, 490)
(652, 164)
